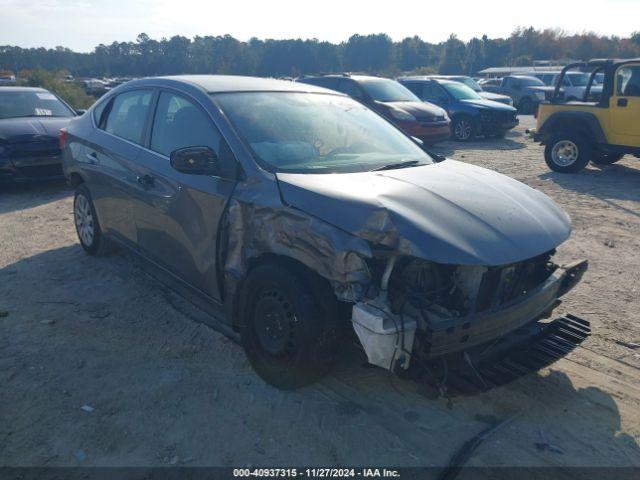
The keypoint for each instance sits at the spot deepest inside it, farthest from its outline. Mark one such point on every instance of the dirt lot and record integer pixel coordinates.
(165, 389)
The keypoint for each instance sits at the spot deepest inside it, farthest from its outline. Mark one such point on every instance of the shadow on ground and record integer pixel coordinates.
(607, 182)
(92, 331)
(20, 196)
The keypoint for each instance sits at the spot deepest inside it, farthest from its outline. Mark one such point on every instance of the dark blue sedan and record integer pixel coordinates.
(471, 115)
(30, 122)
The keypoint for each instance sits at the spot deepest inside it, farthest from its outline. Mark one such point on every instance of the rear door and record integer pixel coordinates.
(110, 155)
(177, 214)
(625, 106)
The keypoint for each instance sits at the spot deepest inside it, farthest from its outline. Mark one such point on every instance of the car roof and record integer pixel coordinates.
(235, 83)
(22, 89)
(523, 76)
(429, 78)
(356, 77)
(448, 77)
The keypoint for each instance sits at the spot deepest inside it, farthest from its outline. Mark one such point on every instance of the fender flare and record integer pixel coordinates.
(573, 120)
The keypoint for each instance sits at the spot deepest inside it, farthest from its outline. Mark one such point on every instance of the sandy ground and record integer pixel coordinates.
(165, 389)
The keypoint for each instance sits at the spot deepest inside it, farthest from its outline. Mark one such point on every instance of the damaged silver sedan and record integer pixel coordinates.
(290, 211)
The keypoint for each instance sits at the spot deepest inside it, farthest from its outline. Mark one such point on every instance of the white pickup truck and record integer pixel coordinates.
(574, 84)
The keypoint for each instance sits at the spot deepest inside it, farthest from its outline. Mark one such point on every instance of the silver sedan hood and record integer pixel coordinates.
(449, 212)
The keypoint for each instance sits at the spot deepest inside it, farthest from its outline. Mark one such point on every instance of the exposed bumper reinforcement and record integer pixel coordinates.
(457, 334)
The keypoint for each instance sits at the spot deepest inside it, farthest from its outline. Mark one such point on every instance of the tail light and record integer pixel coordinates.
(62, 138)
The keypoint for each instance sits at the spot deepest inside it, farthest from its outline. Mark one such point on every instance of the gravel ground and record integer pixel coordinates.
(102, 365)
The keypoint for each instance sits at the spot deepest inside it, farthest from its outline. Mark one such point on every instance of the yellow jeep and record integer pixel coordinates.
(602, 127)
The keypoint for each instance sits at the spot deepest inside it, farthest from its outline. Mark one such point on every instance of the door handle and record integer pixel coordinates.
(145, 180)
(622, 102)
(92, 157)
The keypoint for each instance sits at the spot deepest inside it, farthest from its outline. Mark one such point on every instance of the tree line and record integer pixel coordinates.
(375, 53)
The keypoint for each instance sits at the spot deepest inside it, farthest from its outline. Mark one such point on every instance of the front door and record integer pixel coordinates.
(625, 106)
(178, 215)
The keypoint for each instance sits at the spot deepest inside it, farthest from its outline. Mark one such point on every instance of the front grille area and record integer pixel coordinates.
(493, 116)
(431, 118)
(453, 291)
(501, 285)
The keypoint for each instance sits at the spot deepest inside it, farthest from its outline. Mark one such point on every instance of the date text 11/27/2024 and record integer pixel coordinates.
(315, 473)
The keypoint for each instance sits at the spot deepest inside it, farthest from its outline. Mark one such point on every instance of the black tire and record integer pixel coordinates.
(289, 320)
(86, 222)
(607, 158)
(525, 106)
(568, 152)
(464, 128)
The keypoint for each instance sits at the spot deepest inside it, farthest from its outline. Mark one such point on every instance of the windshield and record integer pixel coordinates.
(579, 79)
(384, 90)
(460, 91)
(469, 82)
(316, 133)
(32, 104)
(531, 82)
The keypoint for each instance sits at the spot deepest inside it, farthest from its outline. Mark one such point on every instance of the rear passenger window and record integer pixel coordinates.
(128, 115)
(98, 110)
(178, 123)
(432, 92)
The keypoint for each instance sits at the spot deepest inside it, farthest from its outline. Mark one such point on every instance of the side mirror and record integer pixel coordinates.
(195, 161)
(81, 111)
(418, 141)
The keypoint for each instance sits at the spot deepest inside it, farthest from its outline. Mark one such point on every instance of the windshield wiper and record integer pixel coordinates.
(391, 166)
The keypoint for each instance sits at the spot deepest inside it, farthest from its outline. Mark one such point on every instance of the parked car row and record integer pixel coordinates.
(471, 114)
(526, 91)
(430, 108)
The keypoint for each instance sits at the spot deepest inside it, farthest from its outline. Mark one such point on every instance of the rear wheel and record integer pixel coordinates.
(607, 158)
(86, 221)
(568, 152)
(289, 322)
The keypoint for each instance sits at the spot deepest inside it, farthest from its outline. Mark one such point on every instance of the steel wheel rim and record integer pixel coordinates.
(565, 153)
(463, 130)
(84, 220)
(275, 321)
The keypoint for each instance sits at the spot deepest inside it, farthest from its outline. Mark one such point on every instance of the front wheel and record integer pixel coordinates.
(607, 158)
(288, 325)
(526, 106)
(464, 129)
(568, 152)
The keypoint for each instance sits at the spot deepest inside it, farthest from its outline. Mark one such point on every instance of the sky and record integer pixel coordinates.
(83, 24)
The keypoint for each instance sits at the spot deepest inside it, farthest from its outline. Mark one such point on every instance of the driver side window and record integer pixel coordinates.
(433, 93)
(178, 123)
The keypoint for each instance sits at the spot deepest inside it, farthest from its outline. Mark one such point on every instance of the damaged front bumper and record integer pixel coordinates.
(390, 340)
(455, 335)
